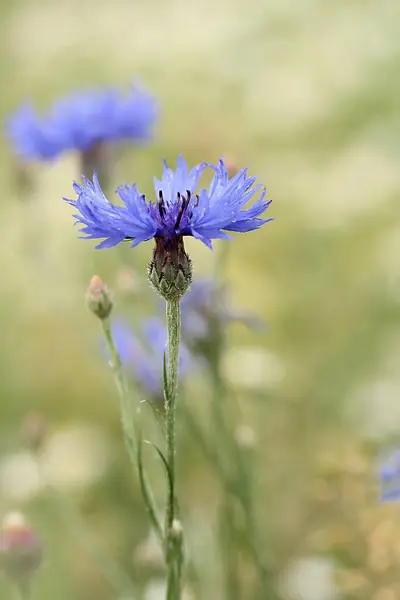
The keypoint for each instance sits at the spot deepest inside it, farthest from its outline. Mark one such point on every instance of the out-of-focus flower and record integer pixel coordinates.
(246, 437)
(142, 355)
(253, 368)
(21, 551)
(20, 477)
(149, 554)
(82, 121)
(310, 578)
(389, 476)
(177, 211)
(206, 306)
(75, 457)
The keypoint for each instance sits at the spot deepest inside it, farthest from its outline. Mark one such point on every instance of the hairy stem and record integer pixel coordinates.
(173, 533)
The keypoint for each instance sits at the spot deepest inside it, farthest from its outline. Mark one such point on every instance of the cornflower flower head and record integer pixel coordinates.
(389, 476)
(82, 121)
(142, 354)
(178, 210)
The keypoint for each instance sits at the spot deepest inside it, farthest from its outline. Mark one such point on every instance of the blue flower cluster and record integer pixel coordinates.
(177, 210)
(80, 121)
(142, 354)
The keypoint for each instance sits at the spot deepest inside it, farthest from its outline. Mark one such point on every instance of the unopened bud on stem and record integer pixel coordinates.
(99, 298)
(21, 551)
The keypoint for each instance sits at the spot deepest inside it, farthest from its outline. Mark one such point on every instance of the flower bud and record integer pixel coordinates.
(99, 298)
(21, 551)
(170, 271)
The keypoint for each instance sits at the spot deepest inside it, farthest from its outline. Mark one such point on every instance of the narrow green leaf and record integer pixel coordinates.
(146, 493)
(164, 461)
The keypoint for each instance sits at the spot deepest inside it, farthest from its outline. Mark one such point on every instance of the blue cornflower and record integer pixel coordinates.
(177, 210)
(389, 476)
(81, 121)
(142, 356)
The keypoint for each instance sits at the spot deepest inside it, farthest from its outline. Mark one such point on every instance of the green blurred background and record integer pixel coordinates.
(306, 94)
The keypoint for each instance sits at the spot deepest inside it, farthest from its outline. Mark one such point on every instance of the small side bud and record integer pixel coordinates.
(170, 271)
(21, 551)
(99, 298)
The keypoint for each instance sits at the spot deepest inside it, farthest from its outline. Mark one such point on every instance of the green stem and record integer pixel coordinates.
(227, 526)
(174, 550)
(132, 437)
(233, 487)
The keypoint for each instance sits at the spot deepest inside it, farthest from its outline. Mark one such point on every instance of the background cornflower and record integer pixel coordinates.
(208, 301)
(82, 121)
(91, 122)
(142, 354)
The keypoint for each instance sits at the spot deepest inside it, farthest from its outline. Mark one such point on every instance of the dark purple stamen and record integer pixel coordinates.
(161, 207)
(184, 205)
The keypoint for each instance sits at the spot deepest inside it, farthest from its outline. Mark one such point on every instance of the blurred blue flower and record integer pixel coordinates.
(80, 121)
(142, 355)
(206, 305)
(177, 210)
(389, 476)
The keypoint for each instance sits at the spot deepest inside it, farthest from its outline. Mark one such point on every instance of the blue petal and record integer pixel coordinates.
(179, 180)
(101, 219)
